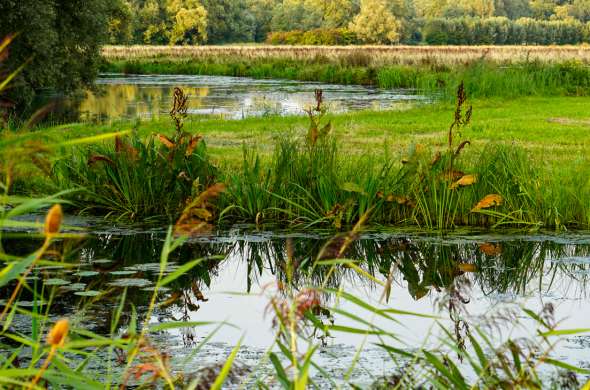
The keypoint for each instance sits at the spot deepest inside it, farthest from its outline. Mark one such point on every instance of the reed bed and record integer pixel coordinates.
(360, 55)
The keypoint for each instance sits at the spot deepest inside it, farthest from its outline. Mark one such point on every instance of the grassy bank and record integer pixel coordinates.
(395, 166)
(431, 70)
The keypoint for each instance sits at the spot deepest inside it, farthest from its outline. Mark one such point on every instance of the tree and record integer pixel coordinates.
(580, 9)
(60, 38)
(229, 21)
(332, 13)
(542, 9)
(512, 9)
(262, 12)
(189, 21)
(375, 23)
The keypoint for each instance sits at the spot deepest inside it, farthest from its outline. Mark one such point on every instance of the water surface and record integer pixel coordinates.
(496, 275)
(150, 96)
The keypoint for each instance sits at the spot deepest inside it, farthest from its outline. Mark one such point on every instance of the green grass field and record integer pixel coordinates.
(553, 130)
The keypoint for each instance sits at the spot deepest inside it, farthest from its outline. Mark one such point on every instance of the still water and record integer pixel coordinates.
(495, 275)
(149, 96)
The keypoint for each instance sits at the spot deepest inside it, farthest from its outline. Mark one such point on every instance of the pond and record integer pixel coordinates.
(150, 96)
(470, 277)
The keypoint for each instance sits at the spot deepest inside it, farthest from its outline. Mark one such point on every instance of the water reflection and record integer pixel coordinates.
(421, 267)
(146, 96)
(450, 277)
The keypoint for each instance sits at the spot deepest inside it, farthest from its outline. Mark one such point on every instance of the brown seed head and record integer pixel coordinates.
(53, 220)
(57, 335)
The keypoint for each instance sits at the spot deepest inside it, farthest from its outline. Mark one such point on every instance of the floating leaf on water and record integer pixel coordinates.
(56, 282)
(86, 273)
(75, 287)
(122, 273)
(89, 293)
(160, 289)
(130, 282)
(152, 267)
(51, 267)
(464, 181)
(488, 201)
(490, 249)
(102, 261)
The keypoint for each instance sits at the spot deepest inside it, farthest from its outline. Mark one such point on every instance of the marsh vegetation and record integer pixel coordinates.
(436, 245)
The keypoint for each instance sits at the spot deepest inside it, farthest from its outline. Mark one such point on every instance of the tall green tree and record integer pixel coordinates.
(60, 38)
(229, 21)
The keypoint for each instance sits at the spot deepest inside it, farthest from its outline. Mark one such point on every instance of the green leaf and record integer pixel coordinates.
(352, 187)
(226, 367)
(280, 371)
(567, 366)
(565, 332)
(179, 324)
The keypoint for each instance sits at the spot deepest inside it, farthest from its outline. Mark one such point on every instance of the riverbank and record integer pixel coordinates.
(531, 152)
(486, 71)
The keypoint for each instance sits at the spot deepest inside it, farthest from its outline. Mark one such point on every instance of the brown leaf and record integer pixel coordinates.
(166, 141)
(464, 181)
(97, 157)
(488, 201)
(121, 146)
(194, 141)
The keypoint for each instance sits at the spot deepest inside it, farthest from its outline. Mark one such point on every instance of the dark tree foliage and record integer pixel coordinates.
(59, 39)
(229, 21)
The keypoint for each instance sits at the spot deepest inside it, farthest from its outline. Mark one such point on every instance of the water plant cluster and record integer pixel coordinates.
(309, 182)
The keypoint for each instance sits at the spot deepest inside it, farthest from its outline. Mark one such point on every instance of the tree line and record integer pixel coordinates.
(351, 21)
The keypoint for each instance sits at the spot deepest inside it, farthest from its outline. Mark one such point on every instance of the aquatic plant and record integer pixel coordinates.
(139, 180)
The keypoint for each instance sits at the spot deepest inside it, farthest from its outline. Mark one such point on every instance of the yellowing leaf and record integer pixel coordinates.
(166, 141)
(466, 267)
(488, 201)
(464, 181)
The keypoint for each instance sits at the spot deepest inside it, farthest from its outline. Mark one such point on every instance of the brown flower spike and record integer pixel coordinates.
(57, 335)
(53, 220)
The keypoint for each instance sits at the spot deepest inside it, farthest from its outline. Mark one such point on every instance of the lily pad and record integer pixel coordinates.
(86, 273)
(56, 282)
(89, 293)
(131, 282)
(121, 273)
(75, 287)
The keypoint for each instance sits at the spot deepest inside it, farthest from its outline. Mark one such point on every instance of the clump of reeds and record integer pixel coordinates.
(139, 180)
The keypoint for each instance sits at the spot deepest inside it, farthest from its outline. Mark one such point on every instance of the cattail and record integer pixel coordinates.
(53, 220)
(57, 335)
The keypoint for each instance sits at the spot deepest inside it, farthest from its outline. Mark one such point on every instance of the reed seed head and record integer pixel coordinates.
(57, 335)
(53, 220)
